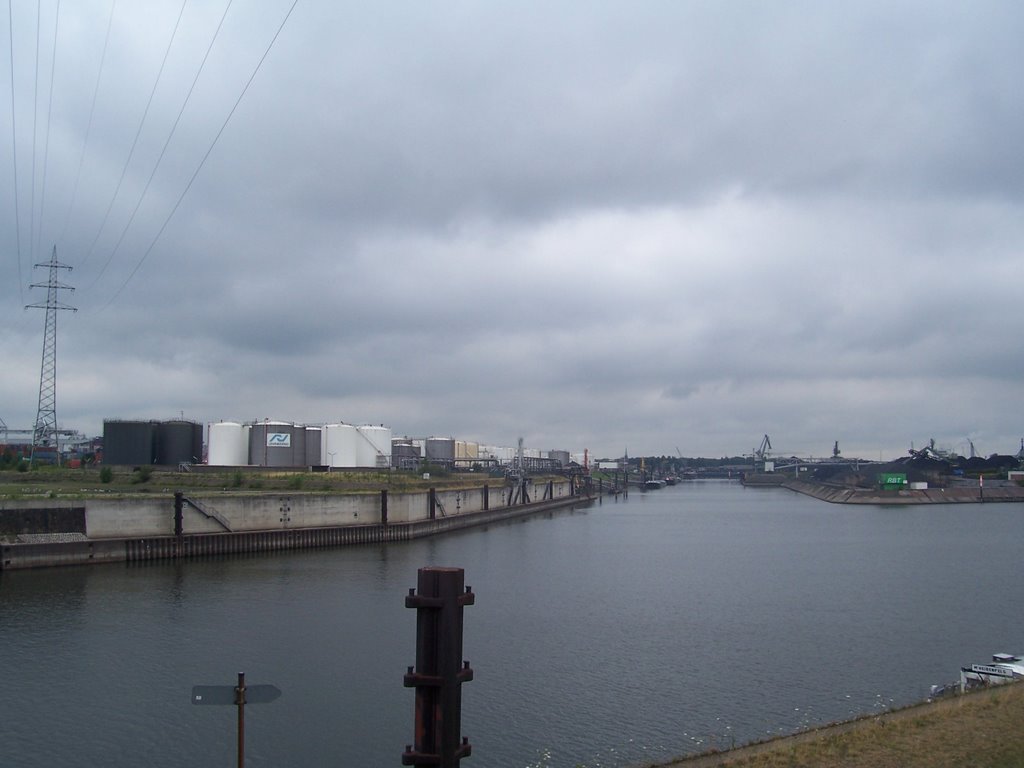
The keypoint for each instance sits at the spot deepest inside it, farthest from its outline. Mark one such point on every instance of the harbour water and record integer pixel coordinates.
(701, 615)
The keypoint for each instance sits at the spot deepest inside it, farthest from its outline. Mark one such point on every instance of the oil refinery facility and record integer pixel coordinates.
(282, 444)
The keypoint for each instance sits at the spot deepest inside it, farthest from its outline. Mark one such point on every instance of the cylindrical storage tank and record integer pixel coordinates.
(228, 443)
(562, 457)
(277, 444)
(338, 445)
(373, 448)
(440, 449)
(464, 449)
(404, 454)
(314, 441)
(129, 442)
(179, 442)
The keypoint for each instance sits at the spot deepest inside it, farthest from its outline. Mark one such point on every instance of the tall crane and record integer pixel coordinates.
(762, 451)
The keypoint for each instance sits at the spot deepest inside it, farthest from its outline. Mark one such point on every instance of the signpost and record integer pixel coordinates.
(240, 695)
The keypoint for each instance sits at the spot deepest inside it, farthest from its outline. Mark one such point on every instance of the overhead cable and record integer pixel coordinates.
(88, 127)
(49, 113)
(14, 163)
(202, 162)
(170, 135)
(131, 152)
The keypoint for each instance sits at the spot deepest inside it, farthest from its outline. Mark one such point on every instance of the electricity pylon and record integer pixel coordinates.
(45, 432)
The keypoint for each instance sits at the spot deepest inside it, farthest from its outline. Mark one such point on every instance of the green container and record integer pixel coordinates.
(892, 481)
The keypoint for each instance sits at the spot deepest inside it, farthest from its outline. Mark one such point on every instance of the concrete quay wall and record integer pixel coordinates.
(959, 495)
(143, 529)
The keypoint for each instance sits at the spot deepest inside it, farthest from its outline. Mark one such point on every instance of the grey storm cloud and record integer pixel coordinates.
(597, 225)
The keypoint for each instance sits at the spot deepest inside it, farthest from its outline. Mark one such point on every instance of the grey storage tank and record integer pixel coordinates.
(440, 449)
(314, 438)
(404, 453)
(129, 442)
(179, 442)
(562, 457)
(277, 444)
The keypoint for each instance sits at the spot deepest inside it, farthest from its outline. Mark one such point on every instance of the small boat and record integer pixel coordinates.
(1005, 668)
(653, 485)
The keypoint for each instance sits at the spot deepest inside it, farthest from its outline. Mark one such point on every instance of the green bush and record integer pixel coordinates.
(295, 482)
(106, 474)
(142, 475)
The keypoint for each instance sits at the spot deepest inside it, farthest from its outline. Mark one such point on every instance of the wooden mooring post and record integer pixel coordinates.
(440, 671)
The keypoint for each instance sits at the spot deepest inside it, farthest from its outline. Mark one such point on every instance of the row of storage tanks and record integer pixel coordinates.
(281, 444)
(450, 450)
(139, 443)
(284, 444)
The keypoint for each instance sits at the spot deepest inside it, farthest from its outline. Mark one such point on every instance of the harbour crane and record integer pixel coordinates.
(762, 452)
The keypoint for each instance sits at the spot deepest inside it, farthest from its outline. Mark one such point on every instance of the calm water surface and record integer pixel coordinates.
(701, 615)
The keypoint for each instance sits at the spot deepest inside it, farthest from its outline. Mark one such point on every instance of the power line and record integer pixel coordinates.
(88, 128)
(202, 162)
(49, 113)
(35, 120)
(131, 152)
(14, 150)
(170, 135)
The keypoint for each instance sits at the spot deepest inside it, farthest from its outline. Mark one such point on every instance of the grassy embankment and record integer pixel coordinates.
(982, 729)
(91, 482)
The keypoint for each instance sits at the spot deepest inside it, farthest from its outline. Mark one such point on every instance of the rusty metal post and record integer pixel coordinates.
(179, 504)
(440, 670)
(240, 701)
(384, 507)
(487, 497)
(432, 504)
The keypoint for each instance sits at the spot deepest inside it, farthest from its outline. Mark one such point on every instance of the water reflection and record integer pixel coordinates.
(623, 633)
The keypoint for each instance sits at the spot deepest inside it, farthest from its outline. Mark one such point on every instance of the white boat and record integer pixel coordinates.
(1005, 668)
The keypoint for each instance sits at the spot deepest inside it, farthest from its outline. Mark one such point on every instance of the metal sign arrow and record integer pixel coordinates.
(238, 696)
(219, 695)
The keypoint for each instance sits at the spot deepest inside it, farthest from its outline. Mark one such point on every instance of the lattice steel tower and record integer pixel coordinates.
(45, 433)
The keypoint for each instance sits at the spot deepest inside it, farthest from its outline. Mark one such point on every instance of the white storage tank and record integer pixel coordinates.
(228, 444)
(338, 445)
(504, 453)
(373, 448)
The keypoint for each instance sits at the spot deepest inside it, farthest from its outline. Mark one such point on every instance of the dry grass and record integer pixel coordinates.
(983, 729)
(62, 483)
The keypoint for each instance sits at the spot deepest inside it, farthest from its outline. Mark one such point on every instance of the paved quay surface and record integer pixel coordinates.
(953, 495)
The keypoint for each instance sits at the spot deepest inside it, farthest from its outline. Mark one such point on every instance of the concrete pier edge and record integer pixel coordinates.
(16, 556)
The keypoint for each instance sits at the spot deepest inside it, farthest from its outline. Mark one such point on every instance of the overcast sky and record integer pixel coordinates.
(650, 225)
